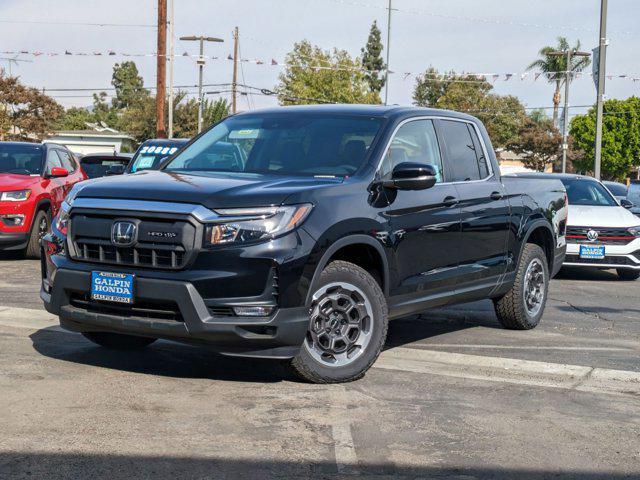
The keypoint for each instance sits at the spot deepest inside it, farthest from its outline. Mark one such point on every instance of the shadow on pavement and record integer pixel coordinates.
(587, 274)
(21, 465)
(167, 359)
(12, 255)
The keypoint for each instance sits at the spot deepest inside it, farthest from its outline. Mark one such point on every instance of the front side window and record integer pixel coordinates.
(634, 193)
(67, 163)
(588, 192)
(306, 144)
(53, 161)
(414, 142)
(20, 159)
(464, 153)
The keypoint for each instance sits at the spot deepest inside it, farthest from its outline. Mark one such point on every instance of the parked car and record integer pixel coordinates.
(34, 179)
(618, 190)
(633, 196)
(600, 232)
(151, 153)
(301, 241)
(97, 165)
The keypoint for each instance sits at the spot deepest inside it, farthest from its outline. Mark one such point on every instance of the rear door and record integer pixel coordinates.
(423, 225)
(484, 208)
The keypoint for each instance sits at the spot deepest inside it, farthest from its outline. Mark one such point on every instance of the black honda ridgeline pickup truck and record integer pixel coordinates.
(297, 233)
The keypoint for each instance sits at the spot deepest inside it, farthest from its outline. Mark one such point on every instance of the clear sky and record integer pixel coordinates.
(465, 35)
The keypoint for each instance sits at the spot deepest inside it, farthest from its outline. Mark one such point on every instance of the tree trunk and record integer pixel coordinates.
(556, 105)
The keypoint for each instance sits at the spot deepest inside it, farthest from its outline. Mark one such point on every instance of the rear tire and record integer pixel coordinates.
(628, 275)
(347, 326)
(521, 308)
(118, 341)
(41, 226)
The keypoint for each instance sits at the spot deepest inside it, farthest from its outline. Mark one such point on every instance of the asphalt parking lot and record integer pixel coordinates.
(452, 396)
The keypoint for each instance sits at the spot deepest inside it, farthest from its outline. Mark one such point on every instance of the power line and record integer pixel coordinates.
(88, 24)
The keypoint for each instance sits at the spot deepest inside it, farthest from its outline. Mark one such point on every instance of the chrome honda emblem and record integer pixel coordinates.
(124, 233)
(592, 235)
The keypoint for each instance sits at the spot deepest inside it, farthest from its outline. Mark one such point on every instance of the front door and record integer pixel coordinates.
(423, 225)
(484, 208)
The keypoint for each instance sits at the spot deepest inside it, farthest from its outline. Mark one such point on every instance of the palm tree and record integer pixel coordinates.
(554, 66)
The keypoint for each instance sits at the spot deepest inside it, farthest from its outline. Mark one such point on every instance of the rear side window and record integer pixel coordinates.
(464, 153)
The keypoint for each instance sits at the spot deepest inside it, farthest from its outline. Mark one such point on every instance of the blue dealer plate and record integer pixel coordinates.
(112, 287)
(594, 252)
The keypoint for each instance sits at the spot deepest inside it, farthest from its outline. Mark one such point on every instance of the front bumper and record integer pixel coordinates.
(13, 241)
(194, 305)
(616, 256)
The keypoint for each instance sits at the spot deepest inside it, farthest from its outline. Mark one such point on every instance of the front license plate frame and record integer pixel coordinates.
(112, 287)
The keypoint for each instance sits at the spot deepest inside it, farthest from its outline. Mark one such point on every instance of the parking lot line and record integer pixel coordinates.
(435, 362)
(509, 370)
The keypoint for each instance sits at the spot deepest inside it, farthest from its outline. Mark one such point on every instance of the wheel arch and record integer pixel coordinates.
(355, 249)
(539, 233)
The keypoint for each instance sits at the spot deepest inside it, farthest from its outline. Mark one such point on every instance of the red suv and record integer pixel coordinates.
(34, 179)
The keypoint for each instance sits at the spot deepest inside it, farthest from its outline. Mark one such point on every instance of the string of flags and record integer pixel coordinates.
(455, 76)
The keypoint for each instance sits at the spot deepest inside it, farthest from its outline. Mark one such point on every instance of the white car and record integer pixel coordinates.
(600, 233)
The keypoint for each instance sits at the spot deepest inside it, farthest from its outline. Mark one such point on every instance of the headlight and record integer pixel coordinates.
(254, 224)
(15, 196)
(62, 219)
(635, 231)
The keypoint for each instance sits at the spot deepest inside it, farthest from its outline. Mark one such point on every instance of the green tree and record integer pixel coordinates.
(372, 60)
(103, 112)
(620, 138)
(312, 75)
(185, 114)
(139, 119)
(538, 144)
(75, 118)
(555, 67)
(503, 115)
(25, 112)
(128, 84)
(430, 86)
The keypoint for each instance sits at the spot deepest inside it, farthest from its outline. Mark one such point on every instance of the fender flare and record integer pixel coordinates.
(345, 242)
(529, 230)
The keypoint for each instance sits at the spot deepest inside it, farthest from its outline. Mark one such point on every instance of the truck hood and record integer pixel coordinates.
(9, 181)
(219, 190)
(589, 216)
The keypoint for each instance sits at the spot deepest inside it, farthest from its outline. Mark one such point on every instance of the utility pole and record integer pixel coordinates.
(386, 73)
(201, 62)
(170, 133)
(567, 80)
(161, 69)
(602, 65)
(234, 84)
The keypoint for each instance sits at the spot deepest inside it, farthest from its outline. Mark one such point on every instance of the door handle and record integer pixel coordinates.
(496, 195)
(450, 201)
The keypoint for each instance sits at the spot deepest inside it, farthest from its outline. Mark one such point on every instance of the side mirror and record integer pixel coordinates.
(411, 176)
(626, 203)
(58, 172)
(115, 170)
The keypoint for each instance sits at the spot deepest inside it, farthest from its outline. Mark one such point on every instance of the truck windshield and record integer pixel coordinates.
(20, 159)
(588, 192)
(283, 143)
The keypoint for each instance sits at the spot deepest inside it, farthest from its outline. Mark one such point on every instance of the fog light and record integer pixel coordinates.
(259, 311)
(13, 220)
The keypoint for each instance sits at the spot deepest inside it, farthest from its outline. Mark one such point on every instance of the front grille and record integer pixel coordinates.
(140, 255)
(606, 236)
(612, 260)
(156, 310)
(161, 243)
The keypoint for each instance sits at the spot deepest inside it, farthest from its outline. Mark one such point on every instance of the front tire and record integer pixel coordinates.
(347, 326)
(628, 275)
(521, 308)
(118, 341)
(41, 226)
